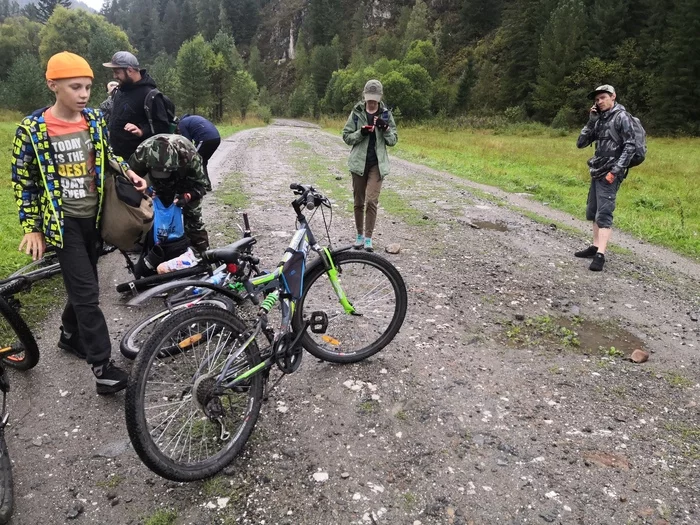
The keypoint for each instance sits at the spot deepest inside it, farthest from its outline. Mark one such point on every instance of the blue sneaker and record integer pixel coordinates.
(359, 241)
(368, 245)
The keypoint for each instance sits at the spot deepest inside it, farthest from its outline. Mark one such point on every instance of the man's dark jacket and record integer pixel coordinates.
(128, 107)
(611, 155)
(197, 129)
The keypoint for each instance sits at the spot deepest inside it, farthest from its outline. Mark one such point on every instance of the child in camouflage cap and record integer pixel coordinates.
(177, 176)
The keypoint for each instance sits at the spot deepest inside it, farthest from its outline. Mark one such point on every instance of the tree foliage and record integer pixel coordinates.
(45, 8)
(194, 66)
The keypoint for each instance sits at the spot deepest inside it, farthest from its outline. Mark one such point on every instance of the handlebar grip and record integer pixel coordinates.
(246, 224)
(310, 205)
(294, 186)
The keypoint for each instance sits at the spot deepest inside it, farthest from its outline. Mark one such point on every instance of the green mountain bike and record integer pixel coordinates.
(198, 381)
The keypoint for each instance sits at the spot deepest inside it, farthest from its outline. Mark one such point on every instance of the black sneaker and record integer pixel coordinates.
(597, 263)
(588, 253)
(109, 378)
(71, 344)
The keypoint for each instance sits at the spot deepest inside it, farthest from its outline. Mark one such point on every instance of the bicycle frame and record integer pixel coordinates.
(303, 240)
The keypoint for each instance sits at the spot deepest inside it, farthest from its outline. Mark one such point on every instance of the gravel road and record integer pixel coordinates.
(508, 396)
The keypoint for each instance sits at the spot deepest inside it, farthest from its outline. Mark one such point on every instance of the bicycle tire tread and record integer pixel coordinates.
(6, 483)
(312, 275)
(135, 421)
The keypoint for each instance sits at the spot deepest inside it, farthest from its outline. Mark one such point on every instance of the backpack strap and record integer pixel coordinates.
(148, 107)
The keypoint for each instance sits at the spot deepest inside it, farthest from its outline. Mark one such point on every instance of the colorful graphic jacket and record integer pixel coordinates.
(36, 183)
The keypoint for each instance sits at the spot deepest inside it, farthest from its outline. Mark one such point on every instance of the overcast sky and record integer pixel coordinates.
(95, 4)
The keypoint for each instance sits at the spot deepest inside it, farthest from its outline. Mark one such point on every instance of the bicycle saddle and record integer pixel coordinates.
(231, 253)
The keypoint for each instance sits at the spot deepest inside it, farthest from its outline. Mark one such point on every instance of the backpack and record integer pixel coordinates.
(169, 109)
(640, 140)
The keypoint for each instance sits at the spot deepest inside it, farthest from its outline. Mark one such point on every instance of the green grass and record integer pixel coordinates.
(111, 483)
(231, 191)
(161, 517)
(227, 129)
(656, 202)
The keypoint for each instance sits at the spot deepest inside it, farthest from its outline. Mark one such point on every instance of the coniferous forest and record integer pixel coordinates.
(466, 61)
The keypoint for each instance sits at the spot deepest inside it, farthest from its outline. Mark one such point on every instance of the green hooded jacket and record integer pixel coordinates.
(359, 142)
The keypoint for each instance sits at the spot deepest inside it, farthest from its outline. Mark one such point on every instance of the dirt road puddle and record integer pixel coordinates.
(577, 334)
(487, 225)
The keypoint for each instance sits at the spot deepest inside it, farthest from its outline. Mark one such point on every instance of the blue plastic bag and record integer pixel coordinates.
(168, 224)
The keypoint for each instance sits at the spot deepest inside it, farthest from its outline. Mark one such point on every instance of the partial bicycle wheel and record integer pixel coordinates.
(182, 425)
(18, 347)
(6, 486)
(377, 292)
(48, 262)
(153, 280)
(133, 339)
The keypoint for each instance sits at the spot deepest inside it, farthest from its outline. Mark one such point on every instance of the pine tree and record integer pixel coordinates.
(478, 17)
(207, 17)
(519, 38)
(25, 89)
(417, 27)
(194, 62)
(227, 62)
(255, 66)
(45, 8)
(607, 27)
(562, 47)
(677, 97)
(323, 21)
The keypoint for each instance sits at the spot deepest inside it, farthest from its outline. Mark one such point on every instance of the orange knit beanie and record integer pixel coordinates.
(67, 65)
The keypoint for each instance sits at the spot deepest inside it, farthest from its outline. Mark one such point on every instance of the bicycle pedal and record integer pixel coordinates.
(318, 322)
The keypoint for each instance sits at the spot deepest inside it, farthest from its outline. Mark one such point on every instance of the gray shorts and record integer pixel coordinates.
(601, 201)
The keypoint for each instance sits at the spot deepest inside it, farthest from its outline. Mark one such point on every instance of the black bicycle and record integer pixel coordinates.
(18, 348)
(197, 384)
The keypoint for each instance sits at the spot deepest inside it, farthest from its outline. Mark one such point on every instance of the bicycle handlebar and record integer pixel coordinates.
(309, 197)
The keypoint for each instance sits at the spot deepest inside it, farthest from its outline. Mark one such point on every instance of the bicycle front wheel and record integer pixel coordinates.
(377, 293)
(18, 347)
(134, 338)
(183, 425)
(6, 488)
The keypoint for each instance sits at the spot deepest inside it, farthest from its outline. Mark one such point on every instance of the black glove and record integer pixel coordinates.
(366, 130)
(382, 124)
(182, 199)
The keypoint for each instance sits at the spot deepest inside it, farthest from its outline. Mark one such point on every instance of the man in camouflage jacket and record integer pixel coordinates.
(177, 175)
(610, 127)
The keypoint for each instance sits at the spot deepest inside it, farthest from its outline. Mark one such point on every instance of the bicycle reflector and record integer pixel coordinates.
(232, 268)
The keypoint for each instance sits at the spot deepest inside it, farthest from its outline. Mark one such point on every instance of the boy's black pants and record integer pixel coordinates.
(82, 314)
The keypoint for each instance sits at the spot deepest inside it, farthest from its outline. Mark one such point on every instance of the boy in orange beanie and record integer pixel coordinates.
(59, 158)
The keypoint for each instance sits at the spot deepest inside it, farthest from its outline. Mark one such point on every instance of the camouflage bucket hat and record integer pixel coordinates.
(163, 158)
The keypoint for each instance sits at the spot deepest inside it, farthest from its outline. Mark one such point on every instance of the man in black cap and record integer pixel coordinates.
(610, 127)
(128, 123)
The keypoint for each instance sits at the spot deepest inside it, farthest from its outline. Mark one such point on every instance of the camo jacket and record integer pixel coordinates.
(610, 156)
(37, 185)
(180, 157)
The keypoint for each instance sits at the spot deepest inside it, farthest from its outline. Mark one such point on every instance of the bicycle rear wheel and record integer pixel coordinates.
(181, 425)
(376, 290)
(6, 486)
(18, 347)
(133, 339)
